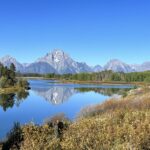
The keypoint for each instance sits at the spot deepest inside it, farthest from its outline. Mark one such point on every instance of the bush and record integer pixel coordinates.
(14, 137)
(23, 84)
(118, 130)
(3, 82)
(147, 80)
(39, 138)
(59, 118)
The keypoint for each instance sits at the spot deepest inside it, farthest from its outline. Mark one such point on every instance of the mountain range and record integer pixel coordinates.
(57, 61)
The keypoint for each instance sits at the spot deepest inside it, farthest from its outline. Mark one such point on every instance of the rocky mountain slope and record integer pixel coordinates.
(97, 68)
(62, 63)
(143, 67)
(118, 66)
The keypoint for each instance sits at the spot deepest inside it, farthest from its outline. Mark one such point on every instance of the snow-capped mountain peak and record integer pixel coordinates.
(61, 62)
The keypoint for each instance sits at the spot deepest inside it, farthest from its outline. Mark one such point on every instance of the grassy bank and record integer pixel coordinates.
(87, 82)
(32, 78)
(9, 90)
(115, 124)
(12, 89)
(102, 82)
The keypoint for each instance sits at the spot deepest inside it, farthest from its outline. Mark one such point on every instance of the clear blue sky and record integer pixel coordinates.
(92, 31)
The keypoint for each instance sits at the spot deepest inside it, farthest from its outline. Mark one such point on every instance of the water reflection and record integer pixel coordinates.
(55, 95)
(105, 91)
(9, 100)
(58, 95)
(6, 101)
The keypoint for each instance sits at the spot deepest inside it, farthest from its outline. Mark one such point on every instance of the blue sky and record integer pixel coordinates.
(92, 31)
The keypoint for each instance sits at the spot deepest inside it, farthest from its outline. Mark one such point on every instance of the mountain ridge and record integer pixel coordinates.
(118, 66)
(57, 61)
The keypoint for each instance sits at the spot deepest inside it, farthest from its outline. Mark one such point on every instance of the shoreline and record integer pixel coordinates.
(99, 82)
(9, 90)
(90, 82)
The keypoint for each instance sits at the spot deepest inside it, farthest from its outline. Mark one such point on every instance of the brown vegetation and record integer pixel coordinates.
(118, 130)
(137, 99)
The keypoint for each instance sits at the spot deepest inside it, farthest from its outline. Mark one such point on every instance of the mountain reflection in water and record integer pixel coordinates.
(58, 95)
(55, 95)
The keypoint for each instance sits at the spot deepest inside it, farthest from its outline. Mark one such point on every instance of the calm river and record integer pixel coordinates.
(48, 98)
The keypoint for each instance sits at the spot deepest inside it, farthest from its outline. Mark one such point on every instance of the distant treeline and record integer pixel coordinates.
(28, 74)
(105, 76)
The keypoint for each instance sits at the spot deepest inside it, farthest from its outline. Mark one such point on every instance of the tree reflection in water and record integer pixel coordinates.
(9, 100)
(106, 91)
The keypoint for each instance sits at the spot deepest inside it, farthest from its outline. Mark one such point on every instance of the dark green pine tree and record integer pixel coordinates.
(12, 67)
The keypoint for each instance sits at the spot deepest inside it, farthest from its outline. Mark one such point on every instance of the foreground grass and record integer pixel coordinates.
(121, 124)
(119, 130)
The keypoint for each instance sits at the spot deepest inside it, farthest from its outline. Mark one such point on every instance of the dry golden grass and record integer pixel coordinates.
(39, 138)
(138, 99)
(118, 130)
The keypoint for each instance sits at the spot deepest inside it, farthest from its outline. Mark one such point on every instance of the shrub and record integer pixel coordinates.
(3, 81)
(52, 121)
(39, 137)
(23, 84)
(147, 80)
(118, 130)
(14, 137)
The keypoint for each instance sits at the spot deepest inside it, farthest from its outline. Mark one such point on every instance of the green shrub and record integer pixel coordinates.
(14, 137)
(23, 83)
(147, 80)
(3, 82)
